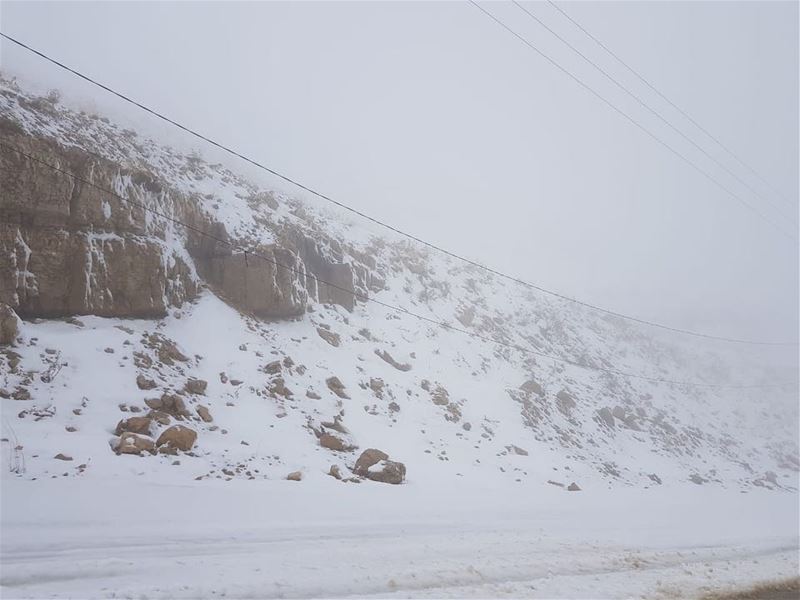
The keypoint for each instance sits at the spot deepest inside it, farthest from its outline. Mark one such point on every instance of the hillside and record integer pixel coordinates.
(141, 314)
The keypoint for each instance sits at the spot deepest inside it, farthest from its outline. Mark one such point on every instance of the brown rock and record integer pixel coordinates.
(204, 414)
(389, 471)
(159, 417)
(273, 368)
(143, 383)
(278, 387)
(196, 386)
(295, 476)
(331, 442)
(177, 437)
(335, 472)
(134, 425)
(368, 457)
(389, 359)
(131, 443)
(332, 338)
(337, 387)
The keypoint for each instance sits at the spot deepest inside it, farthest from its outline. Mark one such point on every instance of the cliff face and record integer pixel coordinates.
(71, 249)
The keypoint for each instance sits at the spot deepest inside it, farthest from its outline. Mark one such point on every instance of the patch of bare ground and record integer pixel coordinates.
(788, 589)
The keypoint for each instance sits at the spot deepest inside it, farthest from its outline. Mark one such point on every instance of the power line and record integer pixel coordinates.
(672, 104)
(386, 225)
(631, 119)
(303, 273)
(710, 156)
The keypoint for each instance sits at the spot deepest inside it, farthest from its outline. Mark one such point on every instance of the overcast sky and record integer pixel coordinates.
(432, 117)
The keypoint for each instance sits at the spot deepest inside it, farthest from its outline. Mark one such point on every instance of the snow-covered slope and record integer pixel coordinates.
(447, 405)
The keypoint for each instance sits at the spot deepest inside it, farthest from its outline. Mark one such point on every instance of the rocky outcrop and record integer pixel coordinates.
(70, 248)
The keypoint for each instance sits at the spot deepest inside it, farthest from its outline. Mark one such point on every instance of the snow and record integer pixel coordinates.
(320, 538)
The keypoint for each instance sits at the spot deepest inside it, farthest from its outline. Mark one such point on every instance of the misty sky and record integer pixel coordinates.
(433, 118)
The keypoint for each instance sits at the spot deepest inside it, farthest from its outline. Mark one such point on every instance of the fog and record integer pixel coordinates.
(433, 118)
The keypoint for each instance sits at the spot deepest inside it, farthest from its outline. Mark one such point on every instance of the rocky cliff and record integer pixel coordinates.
(73, 249)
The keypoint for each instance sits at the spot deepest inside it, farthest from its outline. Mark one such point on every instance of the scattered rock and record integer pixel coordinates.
(573, 487)
(394, 406)
(606, 416)
(331, 442)
(695, 478)
(21, 393)
(278, 387)
(196, 386)
(335, 472)
(61, 456)
(143, 383)
(466, 426)
(134, 425)
(313, 395)
(295, 476)
(332, 338)
(337, 387)
(376, 385)
(177, 437)
(556, 483)
(204, 414)
(565, 402)
(389, 359)
(532, 387)
(169, 403)
(71, 429)
(336, 425)
(655, 478)
(517, 450)
(273, 368)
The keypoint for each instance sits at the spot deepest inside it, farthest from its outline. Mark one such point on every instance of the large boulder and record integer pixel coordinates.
(177, 437)
(374, 464)
(387, 471)
(132, 443)
(368, 457)
(9, 325)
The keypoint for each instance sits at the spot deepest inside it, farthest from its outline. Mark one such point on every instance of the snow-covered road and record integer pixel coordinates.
(321, 538)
